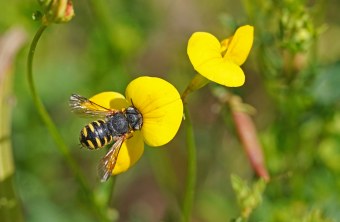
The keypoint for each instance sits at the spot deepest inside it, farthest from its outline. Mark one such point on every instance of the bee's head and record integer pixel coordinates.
(134, 118)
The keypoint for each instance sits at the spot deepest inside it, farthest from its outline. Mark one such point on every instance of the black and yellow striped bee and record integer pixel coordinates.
(115, 126)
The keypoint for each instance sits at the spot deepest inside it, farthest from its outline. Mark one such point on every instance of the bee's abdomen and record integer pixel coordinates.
(95, 135)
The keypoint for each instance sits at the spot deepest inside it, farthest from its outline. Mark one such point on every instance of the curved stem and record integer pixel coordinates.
(191, 176)
(44, 114)
(62, 147)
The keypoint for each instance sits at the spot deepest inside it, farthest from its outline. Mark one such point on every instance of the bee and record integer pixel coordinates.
(113, 127)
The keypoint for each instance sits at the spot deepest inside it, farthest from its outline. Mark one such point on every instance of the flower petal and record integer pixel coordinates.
(240, 45)
(130, 152)
(223, 72)
(132, 149)
(202, 47)
(204, 52)
(161, 107)
(110, 100)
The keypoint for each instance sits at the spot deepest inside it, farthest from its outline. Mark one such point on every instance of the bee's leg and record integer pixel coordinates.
(129, 135)
(115, 138)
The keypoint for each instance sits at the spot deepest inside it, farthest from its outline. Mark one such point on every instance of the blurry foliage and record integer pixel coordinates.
(294, 88)
(248, 198)
(325, 88)
(298, 141)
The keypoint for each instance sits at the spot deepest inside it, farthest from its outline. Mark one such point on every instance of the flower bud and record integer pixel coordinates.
(248, 135)
(57, 11)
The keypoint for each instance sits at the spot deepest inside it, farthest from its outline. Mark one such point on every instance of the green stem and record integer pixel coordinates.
(196, 83)
(44, 114)
(63, 148)
(103, 195)
(111, 190)
(191, 176)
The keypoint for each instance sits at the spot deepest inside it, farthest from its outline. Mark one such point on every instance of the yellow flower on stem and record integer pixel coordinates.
(220, 61)
(161, 107)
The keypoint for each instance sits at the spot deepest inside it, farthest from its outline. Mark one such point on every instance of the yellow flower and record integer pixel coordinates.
(220, 61)
(161, 107)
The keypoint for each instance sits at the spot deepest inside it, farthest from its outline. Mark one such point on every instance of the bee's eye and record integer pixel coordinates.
(134, 118)
(131, 110)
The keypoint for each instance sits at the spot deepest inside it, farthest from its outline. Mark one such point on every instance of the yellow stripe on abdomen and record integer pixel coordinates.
(84, 132)
(91, 127)
(105, 140)
(99, 144)
(90, 144)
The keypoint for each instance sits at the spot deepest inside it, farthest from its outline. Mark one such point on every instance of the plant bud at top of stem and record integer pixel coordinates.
(57, 11)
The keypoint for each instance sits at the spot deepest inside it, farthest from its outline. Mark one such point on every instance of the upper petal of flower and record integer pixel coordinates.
(240, 44)
(132, 149)
(204, 51)
(161, 107)
(202, 47)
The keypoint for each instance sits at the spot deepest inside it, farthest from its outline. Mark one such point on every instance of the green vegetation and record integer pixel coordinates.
(210, 171)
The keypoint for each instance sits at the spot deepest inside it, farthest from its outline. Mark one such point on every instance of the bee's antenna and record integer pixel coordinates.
(132, 103)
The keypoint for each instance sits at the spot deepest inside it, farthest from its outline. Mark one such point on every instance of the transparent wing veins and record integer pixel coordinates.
(108, 162)
(85, 107)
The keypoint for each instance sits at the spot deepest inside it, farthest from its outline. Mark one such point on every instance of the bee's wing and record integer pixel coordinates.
(108, 162)
(85, 107)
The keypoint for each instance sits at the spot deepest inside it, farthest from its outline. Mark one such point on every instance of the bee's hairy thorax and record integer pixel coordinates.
(100, 133)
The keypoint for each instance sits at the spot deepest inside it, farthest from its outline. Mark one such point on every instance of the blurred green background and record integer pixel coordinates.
(293, 79)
